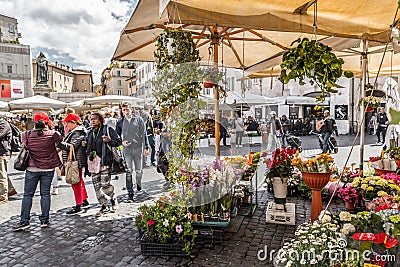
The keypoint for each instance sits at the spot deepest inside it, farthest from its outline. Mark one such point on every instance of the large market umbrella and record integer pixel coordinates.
(3, 106)
(36, 102)
(250, 29)
(249, 99)
(104, 101)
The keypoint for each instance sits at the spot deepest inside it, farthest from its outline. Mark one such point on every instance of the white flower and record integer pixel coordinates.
(319, 257)
(303, 261)
(166, 222)
(283, 260)
(324, 217)
(345, 216)
(289, 264)
(348, 228)
(324, 236)
(313, 261)
(305, 241)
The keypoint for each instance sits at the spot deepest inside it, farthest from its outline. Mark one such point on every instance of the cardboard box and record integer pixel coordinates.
(280, 216)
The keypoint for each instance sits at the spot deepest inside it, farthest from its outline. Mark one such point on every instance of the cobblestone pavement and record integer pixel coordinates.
(83, 240)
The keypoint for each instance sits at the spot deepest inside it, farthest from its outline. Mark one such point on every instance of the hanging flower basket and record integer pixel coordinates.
(208, 84)
(369, 109)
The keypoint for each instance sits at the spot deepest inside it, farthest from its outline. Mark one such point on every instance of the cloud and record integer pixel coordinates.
(84, 33)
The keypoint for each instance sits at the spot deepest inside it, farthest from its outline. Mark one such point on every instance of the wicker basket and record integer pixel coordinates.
(379, 172)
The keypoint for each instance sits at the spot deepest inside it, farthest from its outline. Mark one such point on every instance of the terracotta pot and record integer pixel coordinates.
(316, 181)
(350, 206)
(369, 109)
(379, 172)
(208, 84)
(397, 162)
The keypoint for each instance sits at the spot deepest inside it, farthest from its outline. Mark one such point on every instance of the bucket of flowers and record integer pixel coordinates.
(279, 170)
(394, 153)
(166, 227)
(316, 173)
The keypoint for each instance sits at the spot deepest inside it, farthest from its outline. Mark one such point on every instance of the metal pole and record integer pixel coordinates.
(215, 42)
(363, 83)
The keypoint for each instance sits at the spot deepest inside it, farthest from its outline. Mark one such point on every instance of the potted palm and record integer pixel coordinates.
(279, 170)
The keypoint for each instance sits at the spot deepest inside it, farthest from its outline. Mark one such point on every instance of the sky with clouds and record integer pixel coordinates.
(82, 34)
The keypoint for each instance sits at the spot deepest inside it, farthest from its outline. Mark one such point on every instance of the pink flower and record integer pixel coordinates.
(150, 222)
(189, 216)
(178, 229)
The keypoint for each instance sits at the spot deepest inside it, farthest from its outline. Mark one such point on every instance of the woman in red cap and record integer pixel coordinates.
(76, 134)
(43, 159)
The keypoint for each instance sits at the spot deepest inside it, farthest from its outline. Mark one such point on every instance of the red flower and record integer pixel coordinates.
(385, 206)
(150, 222)
(388, 241)
(363, 236)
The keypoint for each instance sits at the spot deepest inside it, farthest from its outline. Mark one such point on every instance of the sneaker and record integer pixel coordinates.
(114, 204)
(85, 204)
(116, 177)
(21, 226)
(54, 191)
(4, 201)
(75, 210)
(138, 187)
(103, 210)
(130, 198)
(12, 193)
(44, 224)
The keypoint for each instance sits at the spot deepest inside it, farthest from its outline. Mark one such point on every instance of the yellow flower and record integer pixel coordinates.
(381, 182)
(370, 188)
(382, 194)
(364, 186)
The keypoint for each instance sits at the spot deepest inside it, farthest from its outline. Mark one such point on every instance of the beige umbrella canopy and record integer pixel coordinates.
(244, 32)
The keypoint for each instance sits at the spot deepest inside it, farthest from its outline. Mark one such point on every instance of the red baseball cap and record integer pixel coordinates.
(72, 117)
(41, 116)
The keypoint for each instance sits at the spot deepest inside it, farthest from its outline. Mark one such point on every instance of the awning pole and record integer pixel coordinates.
(215, 42)
(362, 108)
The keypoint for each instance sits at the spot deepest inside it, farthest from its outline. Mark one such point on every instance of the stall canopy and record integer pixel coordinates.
(249, 99)
(105, 101)
(36, 102)
(300, 100)
(3, 106)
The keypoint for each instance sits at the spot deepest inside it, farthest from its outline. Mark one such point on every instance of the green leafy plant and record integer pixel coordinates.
(167, 221)
(313, 60)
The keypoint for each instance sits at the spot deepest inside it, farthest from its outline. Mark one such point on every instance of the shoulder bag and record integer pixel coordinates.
(119, 165)
(21, 162)
(72, 168)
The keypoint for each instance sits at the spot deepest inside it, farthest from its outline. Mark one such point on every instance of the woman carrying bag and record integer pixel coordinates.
(43, 159)
(76, 134)
(100, 159)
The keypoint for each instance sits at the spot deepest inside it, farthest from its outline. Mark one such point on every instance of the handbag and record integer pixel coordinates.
(119, 165)
(21, 161)
(72, 168)
(94, 165)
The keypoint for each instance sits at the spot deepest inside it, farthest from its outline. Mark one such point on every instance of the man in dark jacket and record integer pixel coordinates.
(132, 130)
(223, 129)
(383, 123)
(327, 130)
(5, 152)
(148, 121)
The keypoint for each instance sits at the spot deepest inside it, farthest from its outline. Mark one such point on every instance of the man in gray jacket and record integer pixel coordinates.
(132, 130)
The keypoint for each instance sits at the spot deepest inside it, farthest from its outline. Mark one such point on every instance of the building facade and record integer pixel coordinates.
(15, 62)
(116, 79)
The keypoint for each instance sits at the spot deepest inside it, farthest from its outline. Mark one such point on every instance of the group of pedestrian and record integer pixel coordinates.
(93, 152)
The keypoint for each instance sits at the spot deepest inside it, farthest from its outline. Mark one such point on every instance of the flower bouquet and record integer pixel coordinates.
(372, 102)
(394, 153)
(212, 75)
(323, 163)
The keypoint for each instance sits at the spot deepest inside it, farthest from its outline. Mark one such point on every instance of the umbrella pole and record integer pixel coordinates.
(215, 42)
(363, 83)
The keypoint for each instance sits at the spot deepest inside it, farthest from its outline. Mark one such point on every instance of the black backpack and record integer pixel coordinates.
(16, 138)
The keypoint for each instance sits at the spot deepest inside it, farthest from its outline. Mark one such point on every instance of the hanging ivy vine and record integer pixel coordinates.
(313, 60)
(176, 89)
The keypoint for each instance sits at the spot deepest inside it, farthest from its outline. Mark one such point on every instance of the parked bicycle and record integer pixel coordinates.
(332, 143)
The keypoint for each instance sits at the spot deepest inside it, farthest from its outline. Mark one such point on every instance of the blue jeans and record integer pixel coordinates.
(134, 159)
(31, 181)
(325, 137)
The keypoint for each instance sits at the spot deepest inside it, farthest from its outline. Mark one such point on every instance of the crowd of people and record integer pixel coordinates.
(49, 140)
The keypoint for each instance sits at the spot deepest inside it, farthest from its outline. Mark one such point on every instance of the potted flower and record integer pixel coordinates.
(212, 76)
(242, 191)
(279, 170)
(350, 196)
(394, 153)
(316, 174)
(371, 102)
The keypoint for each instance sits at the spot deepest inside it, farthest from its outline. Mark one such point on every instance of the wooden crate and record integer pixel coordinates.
(280, 216)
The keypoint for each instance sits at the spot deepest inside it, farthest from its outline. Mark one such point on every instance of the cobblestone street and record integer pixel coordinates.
(112, 240)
